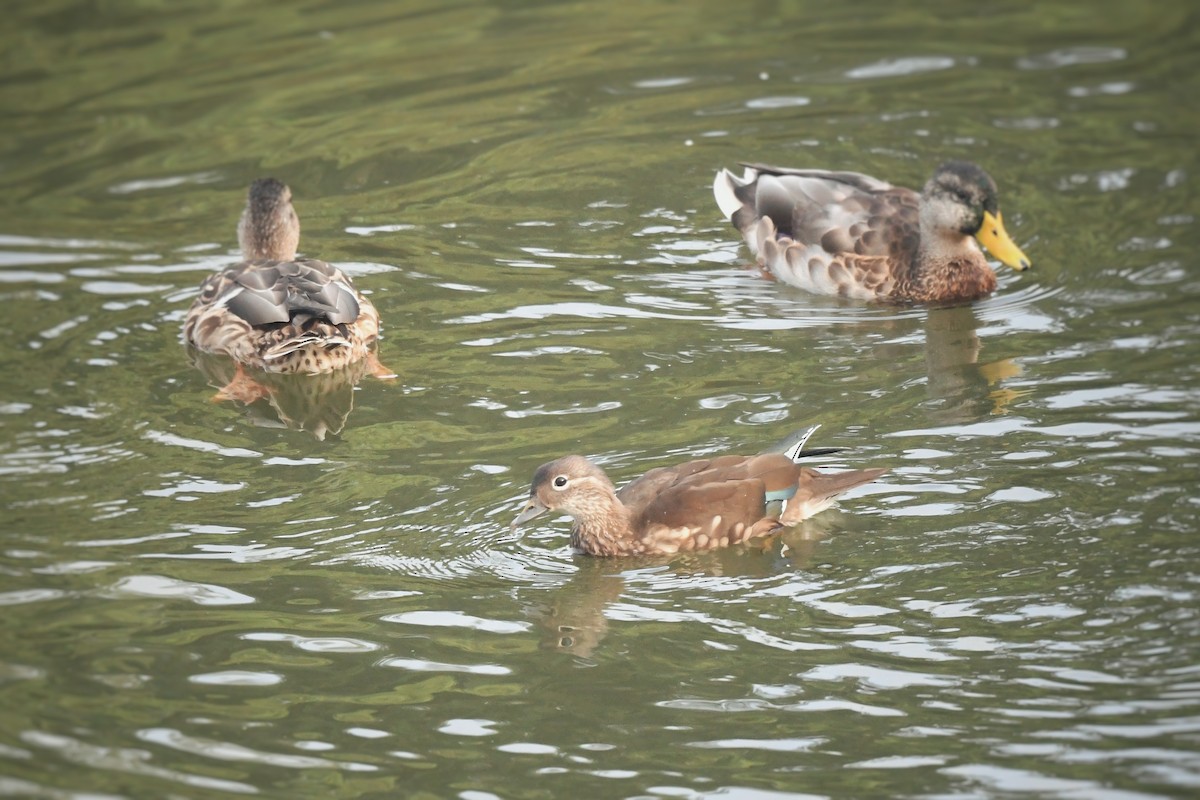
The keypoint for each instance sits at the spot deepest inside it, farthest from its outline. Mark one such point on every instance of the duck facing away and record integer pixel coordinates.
(276, 312)
(700, 505)
(851, 235)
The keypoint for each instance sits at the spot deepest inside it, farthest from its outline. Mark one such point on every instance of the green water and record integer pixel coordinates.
(206, 600)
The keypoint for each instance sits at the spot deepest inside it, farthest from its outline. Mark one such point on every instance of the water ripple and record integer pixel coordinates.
(227, 751)
(126, 759)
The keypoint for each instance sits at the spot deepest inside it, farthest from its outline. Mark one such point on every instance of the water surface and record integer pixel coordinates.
(323, 598)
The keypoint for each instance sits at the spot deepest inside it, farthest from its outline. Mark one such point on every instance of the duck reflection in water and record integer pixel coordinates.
(316, 404)
(574, 618)
(964, 388)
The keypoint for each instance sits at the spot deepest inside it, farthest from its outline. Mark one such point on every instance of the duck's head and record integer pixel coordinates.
(571, 485)
(960, 198)
(269, 228)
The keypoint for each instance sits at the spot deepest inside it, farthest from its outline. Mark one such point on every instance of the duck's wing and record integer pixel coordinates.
(838, 212)
(828, 232)
(859, 180)
(711, 502)
(722, 501)
(641, 492)
(727, 497)
(264, 293)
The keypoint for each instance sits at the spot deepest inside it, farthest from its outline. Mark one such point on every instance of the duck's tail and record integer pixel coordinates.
(793, 446)
(817, 491)
(728, 188)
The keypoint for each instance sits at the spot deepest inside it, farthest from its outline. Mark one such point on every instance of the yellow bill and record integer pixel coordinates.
(993, 236)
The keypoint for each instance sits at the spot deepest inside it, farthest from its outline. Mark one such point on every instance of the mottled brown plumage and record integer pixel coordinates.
(276, 312)
(700, 505)
(851, 235)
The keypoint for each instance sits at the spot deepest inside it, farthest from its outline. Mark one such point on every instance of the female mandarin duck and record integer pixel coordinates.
(851, 235)
(276, 312)
(700, 505)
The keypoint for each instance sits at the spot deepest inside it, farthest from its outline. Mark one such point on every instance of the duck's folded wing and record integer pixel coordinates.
(263, 294)
(838, 217)
(776, 471)
(698, 487)
(698, 516)
(864, 183)
(640, 492)
(830, 214)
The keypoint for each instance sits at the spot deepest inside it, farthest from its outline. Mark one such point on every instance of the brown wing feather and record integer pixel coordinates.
(702, 516)
(832, 214)
(880, 224)
(691, 494)
(775, 469)
(640, 492)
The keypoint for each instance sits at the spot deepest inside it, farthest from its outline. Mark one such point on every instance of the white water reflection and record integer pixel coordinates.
(896, 67)
(236, 677)
(127, 759)
(227, 751)
(421, 665)
(454, 619)
(163, 587)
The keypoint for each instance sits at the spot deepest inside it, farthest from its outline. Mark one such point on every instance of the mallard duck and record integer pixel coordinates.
(276, 312)
(851, 235)
(700, 505)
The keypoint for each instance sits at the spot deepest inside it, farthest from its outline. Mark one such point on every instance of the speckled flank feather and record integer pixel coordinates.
(700, 505)
(275, 312)
(851, 235)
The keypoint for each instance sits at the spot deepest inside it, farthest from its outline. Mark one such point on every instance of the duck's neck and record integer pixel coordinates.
(268, 249)
(949, 268)
(602, 527)
(264, 240)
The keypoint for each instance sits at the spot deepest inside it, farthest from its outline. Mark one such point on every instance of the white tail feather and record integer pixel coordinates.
(290, 346)
(793, 451)
(723, 190)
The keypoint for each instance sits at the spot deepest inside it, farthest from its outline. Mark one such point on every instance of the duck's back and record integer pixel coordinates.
(302, 315)
(267, 292)
(840, 233)
(709, 502)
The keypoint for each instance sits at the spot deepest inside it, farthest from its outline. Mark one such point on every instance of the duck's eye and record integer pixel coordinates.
(560, 481)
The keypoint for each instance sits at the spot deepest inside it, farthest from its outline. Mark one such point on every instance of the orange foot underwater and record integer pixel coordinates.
(241, 388)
